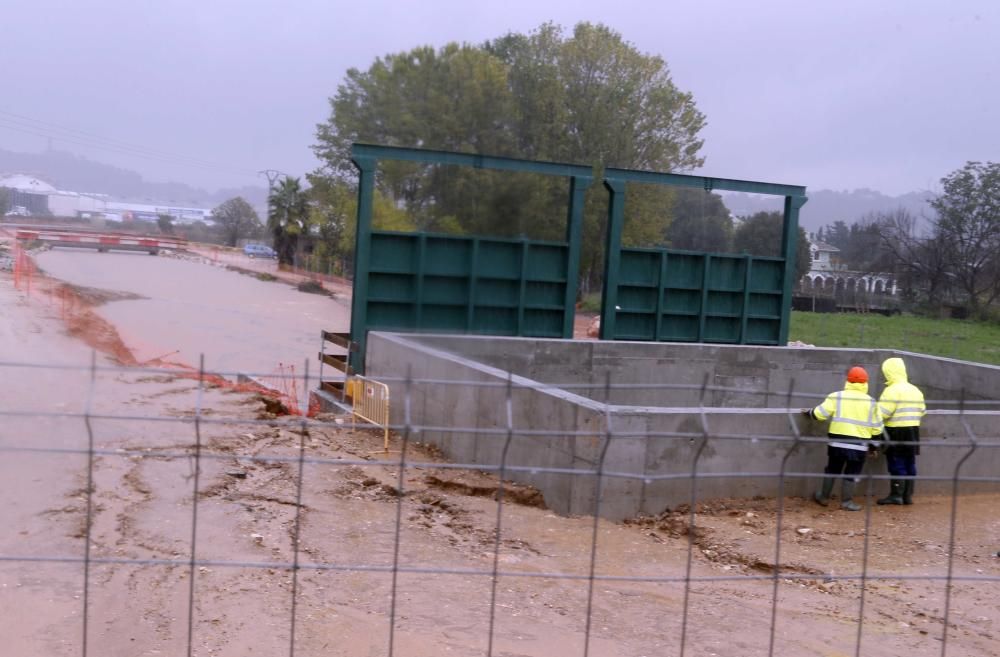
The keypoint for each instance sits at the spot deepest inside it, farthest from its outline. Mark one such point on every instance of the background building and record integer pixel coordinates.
(43, 199)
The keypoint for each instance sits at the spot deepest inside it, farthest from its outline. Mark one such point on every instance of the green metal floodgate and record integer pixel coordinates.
(421, 281)
(663, 294)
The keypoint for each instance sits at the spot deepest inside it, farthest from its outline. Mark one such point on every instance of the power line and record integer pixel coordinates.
(73, 133)
(45, 129)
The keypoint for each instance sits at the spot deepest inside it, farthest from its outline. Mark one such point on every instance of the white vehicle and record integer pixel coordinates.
(18, 211)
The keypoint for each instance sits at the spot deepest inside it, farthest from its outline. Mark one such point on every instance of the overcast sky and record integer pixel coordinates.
(889, 95)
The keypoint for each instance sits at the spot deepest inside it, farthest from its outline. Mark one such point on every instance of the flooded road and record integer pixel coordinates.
(238, 322)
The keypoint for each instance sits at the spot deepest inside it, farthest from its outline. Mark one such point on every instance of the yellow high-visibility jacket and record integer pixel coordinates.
(902, 403)
(852, 414)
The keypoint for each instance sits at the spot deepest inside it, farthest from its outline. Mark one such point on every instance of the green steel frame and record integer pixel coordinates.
(663, 294)
(422, 281)
(474, 284)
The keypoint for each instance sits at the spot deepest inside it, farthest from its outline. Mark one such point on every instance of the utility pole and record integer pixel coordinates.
(273, 175)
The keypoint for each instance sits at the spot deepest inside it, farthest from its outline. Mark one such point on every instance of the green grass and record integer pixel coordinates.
(591, 303)
(952, 338)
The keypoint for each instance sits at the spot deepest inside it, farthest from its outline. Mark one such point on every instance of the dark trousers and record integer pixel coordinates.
(901, 465)
(849, 462)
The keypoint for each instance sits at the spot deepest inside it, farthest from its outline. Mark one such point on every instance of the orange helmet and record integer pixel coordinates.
(857, 374)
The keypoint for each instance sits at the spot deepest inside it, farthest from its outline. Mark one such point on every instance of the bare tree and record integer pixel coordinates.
(920, 261)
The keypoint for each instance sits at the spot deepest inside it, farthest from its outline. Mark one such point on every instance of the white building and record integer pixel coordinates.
(40, 197)
(827, 274)
(823, 255)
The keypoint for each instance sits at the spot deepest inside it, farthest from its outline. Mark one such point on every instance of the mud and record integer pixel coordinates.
(356, 513)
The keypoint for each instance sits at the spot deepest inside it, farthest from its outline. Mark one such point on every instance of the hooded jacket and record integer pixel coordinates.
(901, 403)
(852, 414)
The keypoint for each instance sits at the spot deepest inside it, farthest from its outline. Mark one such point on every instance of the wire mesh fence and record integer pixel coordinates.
(325, 544)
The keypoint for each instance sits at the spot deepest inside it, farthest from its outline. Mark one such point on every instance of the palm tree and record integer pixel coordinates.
(287, 210)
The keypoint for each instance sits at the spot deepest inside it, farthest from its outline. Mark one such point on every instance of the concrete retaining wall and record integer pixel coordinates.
(460, 383)
(736, 375)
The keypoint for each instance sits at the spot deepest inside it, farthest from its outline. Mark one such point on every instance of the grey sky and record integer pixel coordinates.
(889, 95)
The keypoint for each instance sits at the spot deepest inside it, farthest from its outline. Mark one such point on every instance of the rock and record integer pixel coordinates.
(594, 330)
(803, 530)
(238, 474)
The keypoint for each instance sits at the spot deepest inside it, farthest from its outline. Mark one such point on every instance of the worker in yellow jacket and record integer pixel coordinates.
(855, 419)
(902, 405)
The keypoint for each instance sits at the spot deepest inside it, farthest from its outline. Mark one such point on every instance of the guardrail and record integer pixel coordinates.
(101, 241)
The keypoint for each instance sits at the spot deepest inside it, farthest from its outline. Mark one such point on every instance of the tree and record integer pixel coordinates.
(760, 234)
(860, 244)
(589, 97)
(920, 261)
(165, 223)
(333, 220)
(287, 216)
(968, 228)
(700, 222)
(237, 219)
(4, 200)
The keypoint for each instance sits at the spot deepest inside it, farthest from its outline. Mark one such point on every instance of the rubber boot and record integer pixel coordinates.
(896, 488)
(846, 495)
(908, 491)
(822, 496)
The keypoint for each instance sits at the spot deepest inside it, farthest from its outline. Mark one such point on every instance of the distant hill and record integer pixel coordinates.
(826, 206)
(70, 172)
(73, 173)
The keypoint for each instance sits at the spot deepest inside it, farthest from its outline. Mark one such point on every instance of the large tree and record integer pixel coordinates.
(589, 97)
(968, 227)
(287, 216)
(238, 220)
(760, 235)
(700, 222)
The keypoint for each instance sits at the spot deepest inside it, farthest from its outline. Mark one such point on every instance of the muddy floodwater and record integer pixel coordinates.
(189, 308)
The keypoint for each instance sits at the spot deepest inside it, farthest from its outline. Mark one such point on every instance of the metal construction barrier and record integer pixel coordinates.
(370, 402)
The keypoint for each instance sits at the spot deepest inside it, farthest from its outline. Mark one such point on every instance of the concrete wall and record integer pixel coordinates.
(646, 451)
(736, 375)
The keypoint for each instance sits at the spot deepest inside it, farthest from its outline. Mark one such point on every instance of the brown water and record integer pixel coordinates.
(238, 322)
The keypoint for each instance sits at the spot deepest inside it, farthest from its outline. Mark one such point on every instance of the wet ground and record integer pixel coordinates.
(358, 517)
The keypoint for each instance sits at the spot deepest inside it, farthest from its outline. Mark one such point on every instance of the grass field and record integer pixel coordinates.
(962, 339)
(952, 338)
